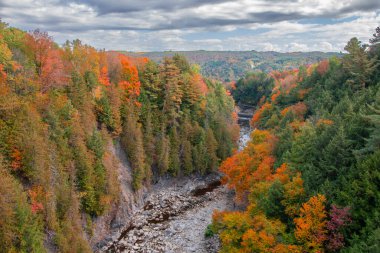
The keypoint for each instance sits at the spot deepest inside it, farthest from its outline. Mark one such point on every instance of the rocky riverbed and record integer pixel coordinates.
(174, 219)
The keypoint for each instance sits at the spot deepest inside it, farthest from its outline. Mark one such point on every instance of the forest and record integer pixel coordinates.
(62, 107)
(309, 178)
(307, 181)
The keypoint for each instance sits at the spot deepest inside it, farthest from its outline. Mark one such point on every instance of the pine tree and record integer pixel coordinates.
(163, 150)
(373, 142)
(174, 155)
(149, 143)
(152, 86)
(173, 92)
(357, 64)
(375, 42)
(181, 62)
(186, 147)
(211, 147)
(132, 141)
(187, 160)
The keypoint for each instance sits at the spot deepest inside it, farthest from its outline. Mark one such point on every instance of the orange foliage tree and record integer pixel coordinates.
(262, 236)
(258, 113)
(4, 89)
(311, 225)
(275, 95)
(103, 76)
(130, 81)
(294, 193)
(3, 75)
(252, 164)
(16, 157)
(298, 109)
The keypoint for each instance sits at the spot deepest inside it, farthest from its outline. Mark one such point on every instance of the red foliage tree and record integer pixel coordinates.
(47, 58)
(52, 72)
(35, 194)
(322, 67)
(339, 217)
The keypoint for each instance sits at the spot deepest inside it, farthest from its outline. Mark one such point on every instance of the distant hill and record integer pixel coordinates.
(231, 65)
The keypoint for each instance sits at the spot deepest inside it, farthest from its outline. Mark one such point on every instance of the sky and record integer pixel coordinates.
(159, 25)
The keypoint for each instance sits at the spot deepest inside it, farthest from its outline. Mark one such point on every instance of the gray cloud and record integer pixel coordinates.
(153, 24)
(117, 6)
(361, 5)
(185, 22)
(176, 14)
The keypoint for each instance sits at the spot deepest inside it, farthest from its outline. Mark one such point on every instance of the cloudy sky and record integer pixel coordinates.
(157, 25)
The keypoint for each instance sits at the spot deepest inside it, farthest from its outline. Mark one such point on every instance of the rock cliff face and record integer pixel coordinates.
(106, 227)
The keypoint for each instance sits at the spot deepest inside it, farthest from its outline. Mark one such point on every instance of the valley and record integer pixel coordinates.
(174, 214)
(189, 151)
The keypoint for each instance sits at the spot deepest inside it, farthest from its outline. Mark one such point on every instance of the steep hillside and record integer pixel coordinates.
(310, 175)
(83, 132)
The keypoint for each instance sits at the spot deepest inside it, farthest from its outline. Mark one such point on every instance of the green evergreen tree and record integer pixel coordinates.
(174, 155)
(132, 141)
(357, 64)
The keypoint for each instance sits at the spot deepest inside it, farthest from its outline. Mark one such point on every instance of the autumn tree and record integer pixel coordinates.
(129, 78)
(339, 218)
(47, 59)
(311, 225)
(103, 76)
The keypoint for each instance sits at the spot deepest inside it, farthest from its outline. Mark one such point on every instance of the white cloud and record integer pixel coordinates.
(296, 47)
(153, 25)
(324, 46)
